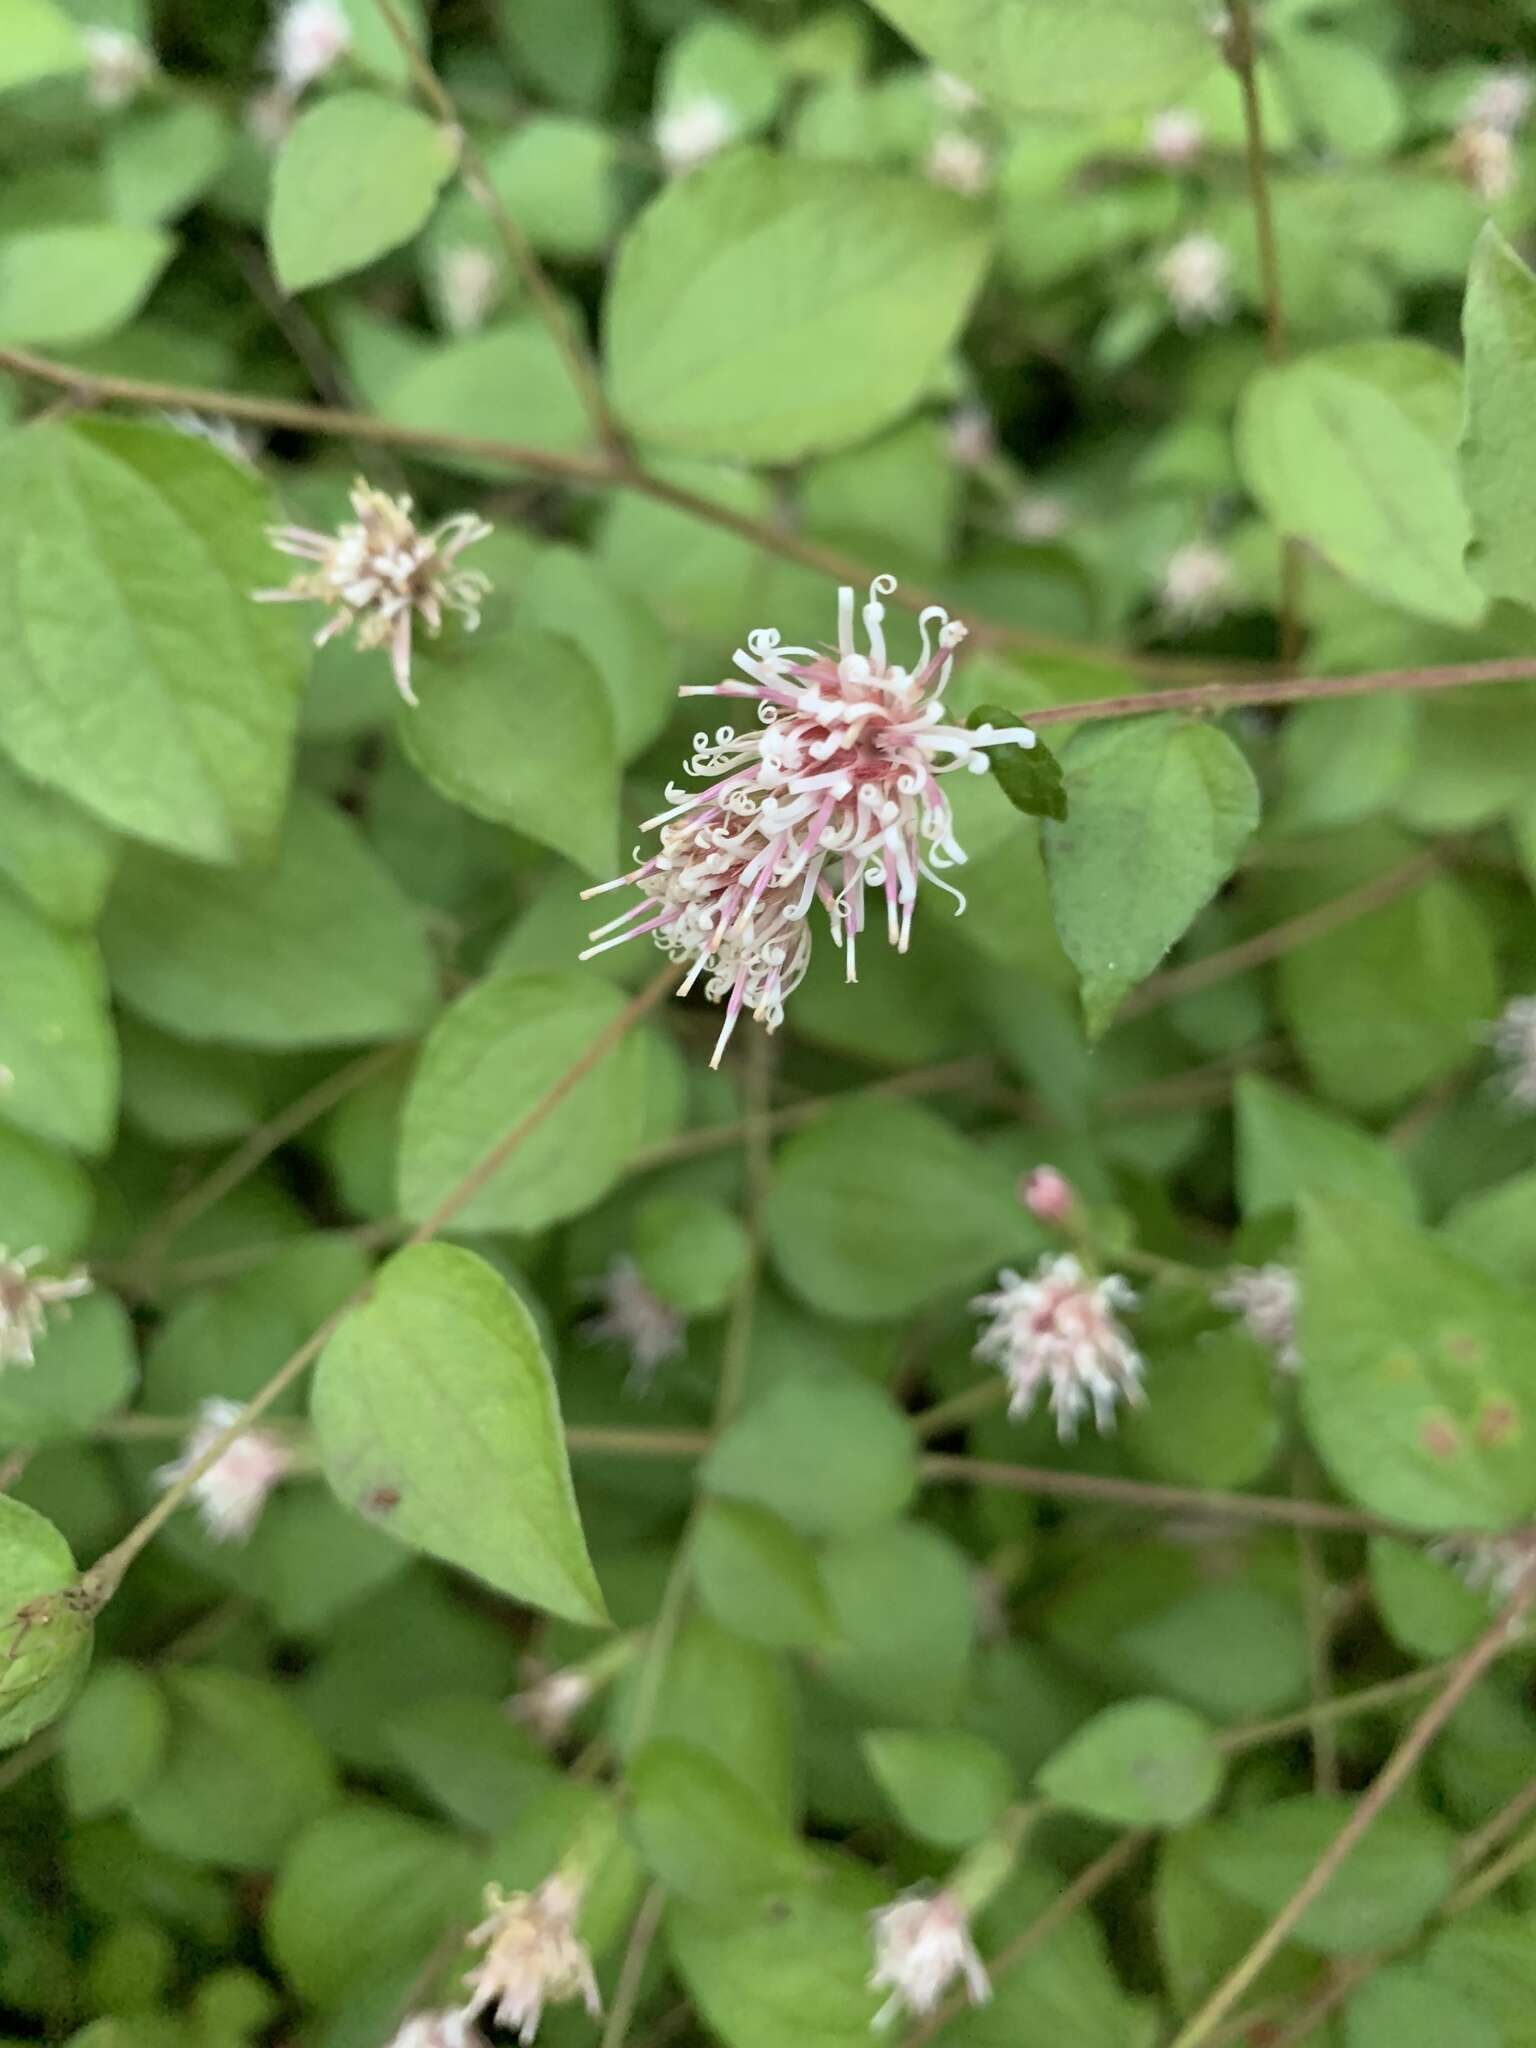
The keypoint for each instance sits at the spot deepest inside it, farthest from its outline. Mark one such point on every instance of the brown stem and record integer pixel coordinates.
(1390, 1780)
(1492, 1832)
(1494, 1874)
(626, 1993)
(1140, 1493)
(477, 182)
(1221, 697)
(102, 1580)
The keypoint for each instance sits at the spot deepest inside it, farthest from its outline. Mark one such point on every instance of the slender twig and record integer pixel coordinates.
(1390, 1780)
(1318, 1624)
(258, 1147)
(1343, 1978)
(1367, 1699)
(637, 1443)
(1242, 55)
(626, 1993)
(1492, 1875)
(1284, 937)
(102, 1580)
(1217, 697)
(1083, 1889)
(1140, 1493)
(478, 183)
(1488, 1837)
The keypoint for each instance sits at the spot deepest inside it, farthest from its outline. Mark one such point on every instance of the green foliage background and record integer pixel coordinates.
(281, 958)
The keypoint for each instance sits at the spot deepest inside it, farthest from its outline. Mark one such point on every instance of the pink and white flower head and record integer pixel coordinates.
(1059, 1331)
(446, 2029)
(1048, 1195)
(970, 435)
(1498, 1567)
(649, 1329)
(959, 162)
(548, 1705)
(1198, 584)
(1175, 138)
(310, 37)
(231, 1494)
(380, 574)
(1484, 159)
(922, 1942)
(118, 66)
(533, 1956)
(26, 1297)
(1502, 100)
(1196, 275)
(1513, 1038)
(692, 131)
(834, 790)
(1267, 1298)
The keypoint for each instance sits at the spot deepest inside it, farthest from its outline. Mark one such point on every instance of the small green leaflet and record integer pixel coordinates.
(1030, 777)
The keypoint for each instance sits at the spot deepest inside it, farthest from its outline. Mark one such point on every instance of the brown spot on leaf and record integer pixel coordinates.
(383, 1500)
(1462, 1348)
(1440, 1437)
(1497, 1421)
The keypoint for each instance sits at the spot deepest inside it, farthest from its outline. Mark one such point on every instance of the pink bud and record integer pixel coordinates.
(1048, 1194)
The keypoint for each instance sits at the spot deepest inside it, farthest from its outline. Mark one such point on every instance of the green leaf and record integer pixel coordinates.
(906, 1615)
(756, 1575)
(1347, 98)
(1352, 450)
(1406, 2006)
(359, 1890)
(1424, 1603)
(471, 1759)
(141, 679)
(561, 181)
(795, 1968)
(436, 1416)
(565, 592)
(1496, 1227)
(516, 727)
(1392, 1001)
(355, 178)
(1138, 1764)
(44, 1646)
(56, 855)
(320, 948)
(1388, 1887)
(1289, 1147)
(85, 1370)
(838, 252)
(830, 1453)
(1489, 1956)
(508, 384)
(1030, 777)
(733, 1698)
(39, 41)
(1499, 440)
(1161, 809)
(881, 1207)
(1216, 1420)
(159, 161)
(1062, 56)
(1064, 1989)
(1420, 1387)
(691, 1252)
(243, 1773)
(55, 1033)
(705, 1835)
(568, 49)
(64, 285)
(114, 1739)
(45, 1197)
(490, 1059)
(946, 1786)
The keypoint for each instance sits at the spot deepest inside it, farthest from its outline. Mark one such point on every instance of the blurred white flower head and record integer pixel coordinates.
(1196, 275)
(959, 162)
(470, 278)
(649, 1329)
(1501, 100)
(1267, 1298)
(1513, 1038)
(446, 2029)
(1059, 1332)
(533, 1957)
(1175, 138)
(834, 790)
(26, 1299)
(692, 131)
(269, 115)
(922, 1942)
(380, 574)
(1484, 158)
(1198, 584)
(548, 1704)
(1038, 518)
(310, 37)
(118, 66)
(953, 94)
(1495, 1566)
(231, 1494)
(970, 436)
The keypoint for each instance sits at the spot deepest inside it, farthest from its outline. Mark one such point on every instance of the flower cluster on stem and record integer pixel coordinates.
(1267, 1298)
(533, 1956)
(922, 1942)
(835, 790)
(26, 1297)
(231, 1494)
(1059, 1332)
